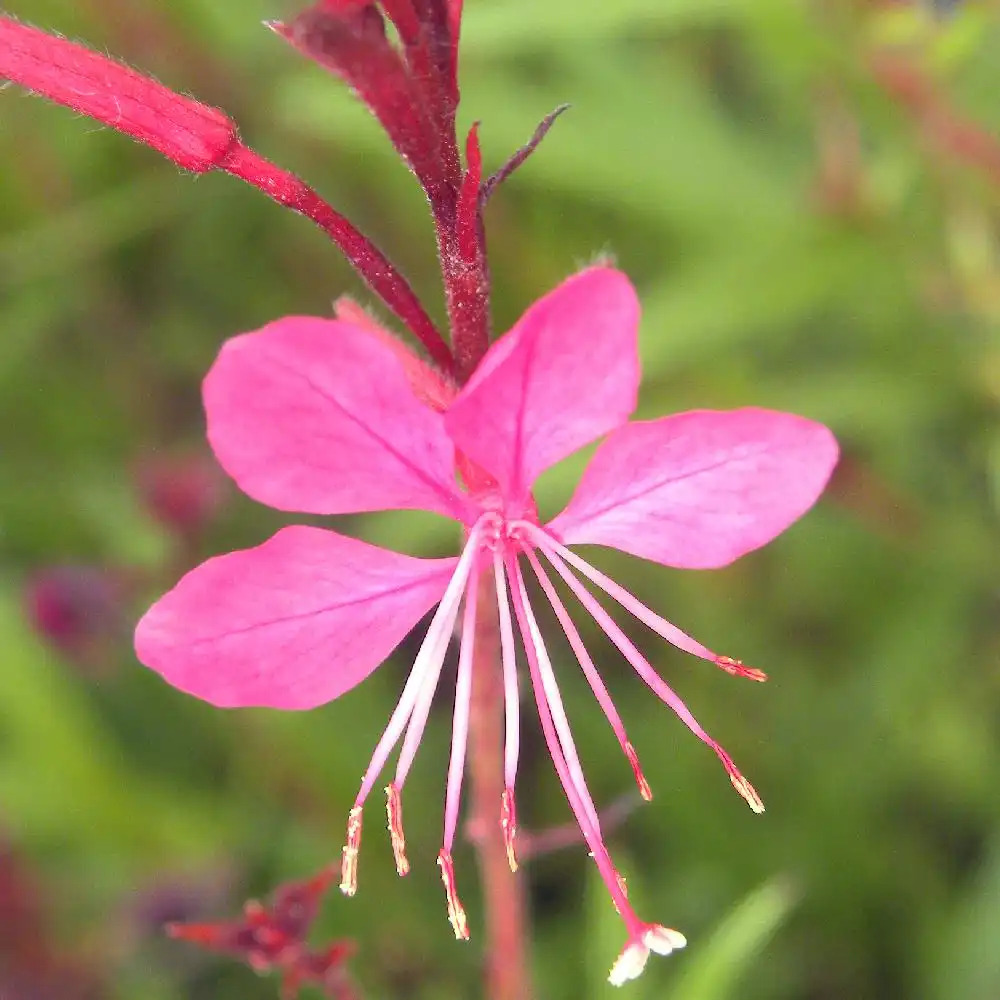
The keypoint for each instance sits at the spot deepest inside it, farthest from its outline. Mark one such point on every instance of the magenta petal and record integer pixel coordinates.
(290, 624)
(566, 373)
(317, 416)
(700, 489)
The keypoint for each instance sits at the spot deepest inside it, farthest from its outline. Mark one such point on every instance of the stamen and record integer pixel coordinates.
(508, 657)
(738, 669)
(653, 680)
(508, 824)
(526, 617)
(622, 883)
(640, 779)
(647, 616)
(590, 671)
(349, 855)
(425, 697)
(426, 666)
(394, 813)
(456, 912)
(460, 719)
(577, 796)
(739, 782)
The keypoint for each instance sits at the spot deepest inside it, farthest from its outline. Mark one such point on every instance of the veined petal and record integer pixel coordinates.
(317, 415)
(698, 490)
(566, 373)
(290, 624)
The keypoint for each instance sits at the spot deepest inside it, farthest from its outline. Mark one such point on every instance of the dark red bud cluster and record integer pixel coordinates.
(273, 938)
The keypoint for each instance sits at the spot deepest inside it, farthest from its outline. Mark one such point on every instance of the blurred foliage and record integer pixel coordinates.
(803, 237)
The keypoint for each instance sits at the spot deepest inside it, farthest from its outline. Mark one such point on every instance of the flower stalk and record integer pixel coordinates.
(507, 973)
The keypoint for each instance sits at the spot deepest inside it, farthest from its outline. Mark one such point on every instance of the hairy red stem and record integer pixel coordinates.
(197, 138)
(462, 247)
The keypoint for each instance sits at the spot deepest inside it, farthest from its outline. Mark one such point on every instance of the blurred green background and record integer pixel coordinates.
(801, 239)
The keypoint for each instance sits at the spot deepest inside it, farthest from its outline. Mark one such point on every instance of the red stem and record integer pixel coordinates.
(200, 139)
(507, 975)
(288, 190)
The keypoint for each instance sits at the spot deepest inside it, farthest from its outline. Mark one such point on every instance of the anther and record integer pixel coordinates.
(349, 858)
(394, 812)
(749, 793)
(622, 888)
(622, 883)
(508, 824)
(640, 778)
(456, 912)
(737, 669)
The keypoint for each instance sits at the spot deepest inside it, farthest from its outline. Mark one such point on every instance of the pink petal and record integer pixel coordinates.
(317, 415)
(290, 624)
(567, 373)
(700, 489)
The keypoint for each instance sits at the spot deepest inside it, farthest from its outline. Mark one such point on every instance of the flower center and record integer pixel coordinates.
(500, 534)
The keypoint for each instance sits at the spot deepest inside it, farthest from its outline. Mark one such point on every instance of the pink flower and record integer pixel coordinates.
(320, 416)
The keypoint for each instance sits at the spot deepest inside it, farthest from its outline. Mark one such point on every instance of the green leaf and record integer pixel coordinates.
(714, 968)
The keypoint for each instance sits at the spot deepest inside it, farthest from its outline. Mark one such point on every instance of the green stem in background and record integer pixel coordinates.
(506, 973)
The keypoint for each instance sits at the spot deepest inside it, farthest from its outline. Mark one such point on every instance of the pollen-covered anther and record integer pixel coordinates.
(349, 858)
(738, 669)
(640, 779)
(394, 814)
(456, 912)
(656, 938)
(622, 883)
(508, 826)
(749, 793)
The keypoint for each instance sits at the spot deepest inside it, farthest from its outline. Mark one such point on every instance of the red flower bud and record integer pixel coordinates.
(191, 134)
